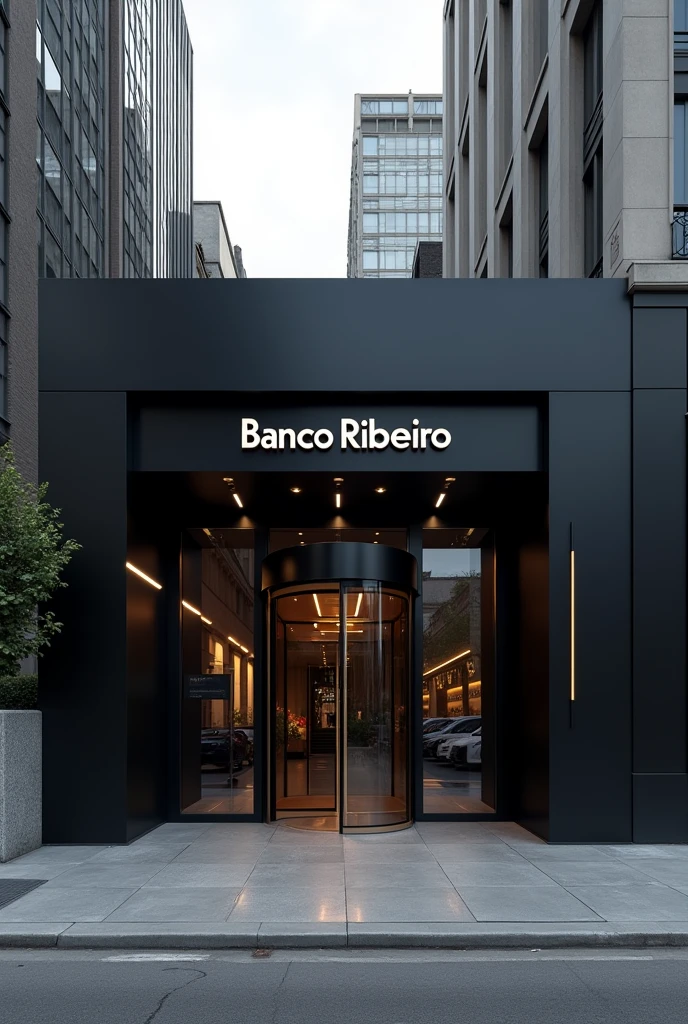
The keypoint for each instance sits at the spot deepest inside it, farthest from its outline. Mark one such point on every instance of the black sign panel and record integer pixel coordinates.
(468, 438)
(213, 687)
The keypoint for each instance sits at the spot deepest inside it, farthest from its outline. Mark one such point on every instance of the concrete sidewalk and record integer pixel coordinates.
(438, 884)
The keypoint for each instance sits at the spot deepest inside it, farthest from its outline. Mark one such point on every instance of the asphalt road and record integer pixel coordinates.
(352, 987)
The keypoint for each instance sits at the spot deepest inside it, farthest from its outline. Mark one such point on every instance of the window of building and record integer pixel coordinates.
(681, 26)
(3, 379)
(592, 143)
(680, 228)
(506, 113)
(384, 107)
(370, 145)
(435, 107)
(541, 32)
(458, 699)
(506, 240)
(594, 223)
(543, 206)
(217, 718)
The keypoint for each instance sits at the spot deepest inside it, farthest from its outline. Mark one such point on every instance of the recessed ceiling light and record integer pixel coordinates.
(295, 490)
(450, 480)
(380, 490)
(238, 500)
(303, 542)
(441, 498)
(300, 535)
(377, 534)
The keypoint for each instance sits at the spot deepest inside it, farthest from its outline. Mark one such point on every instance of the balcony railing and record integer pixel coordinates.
(679, 246)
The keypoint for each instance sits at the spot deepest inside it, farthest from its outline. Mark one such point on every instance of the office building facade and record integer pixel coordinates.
(565, 147)
(18, 282)
(215, 254)
(396, 182)
(305, 548)
(114, 139)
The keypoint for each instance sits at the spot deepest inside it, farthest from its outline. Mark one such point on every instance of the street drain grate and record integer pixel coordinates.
(12, 889)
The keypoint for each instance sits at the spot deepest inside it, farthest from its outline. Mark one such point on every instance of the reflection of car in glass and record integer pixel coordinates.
(465, 724)
(434, 724)
(215, 749)
(445, 747)
(248, 733)
(468, 753)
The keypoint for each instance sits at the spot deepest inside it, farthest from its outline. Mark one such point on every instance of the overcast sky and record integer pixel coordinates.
(274, 84)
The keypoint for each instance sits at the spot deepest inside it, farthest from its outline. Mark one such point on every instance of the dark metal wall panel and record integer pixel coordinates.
(323, 336)
(660, 808)
(659, 348)
(146, 677)
(523, 615)
(660, 756)
(590, 738)
(659, 584)
(83, 674)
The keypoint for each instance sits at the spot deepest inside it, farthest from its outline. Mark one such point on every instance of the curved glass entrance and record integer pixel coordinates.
(339, 697)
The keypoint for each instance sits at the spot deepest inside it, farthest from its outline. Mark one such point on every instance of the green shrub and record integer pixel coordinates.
(18, 693)
(33, 556)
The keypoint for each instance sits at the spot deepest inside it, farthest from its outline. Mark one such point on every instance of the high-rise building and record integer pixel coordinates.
(114, 139)
(18, 283)
(215, 254)
(561, 157)
(396, 182)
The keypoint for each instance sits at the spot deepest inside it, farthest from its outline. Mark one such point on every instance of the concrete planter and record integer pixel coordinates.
(20, 783)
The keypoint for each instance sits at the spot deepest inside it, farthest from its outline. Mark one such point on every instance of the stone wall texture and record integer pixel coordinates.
(20, 783)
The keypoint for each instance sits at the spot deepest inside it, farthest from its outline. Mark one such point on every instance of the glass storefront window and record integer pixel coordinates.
(457, 700)
(217, 720)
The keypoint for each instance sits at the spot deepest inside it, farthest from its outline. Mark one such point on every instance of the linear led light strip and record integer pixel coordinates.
(444, 664)
(195, 611)
(237, 644)
(573, 623)
(142, 575)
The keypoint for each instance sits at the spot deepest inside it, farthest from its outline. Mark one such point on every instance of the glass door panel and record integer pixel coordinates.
(305, 694)
(375, 636)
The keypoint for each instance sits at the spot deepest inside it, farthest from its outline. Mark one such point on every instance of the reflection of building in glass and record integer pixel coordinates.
(396, 183)
(218, 640)
(451, 646)
(114, 139)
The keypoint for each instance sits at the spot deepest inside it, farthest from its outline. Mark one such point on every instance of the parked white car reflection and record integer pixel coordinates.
(462, 749)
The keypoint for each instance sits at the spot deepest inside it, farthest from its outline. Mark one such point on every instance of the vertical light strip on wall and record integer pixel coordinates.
(572, 598)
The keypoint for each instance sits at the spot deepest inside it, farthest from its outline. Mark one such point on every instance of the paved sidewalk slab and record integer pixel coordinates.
(454, 885)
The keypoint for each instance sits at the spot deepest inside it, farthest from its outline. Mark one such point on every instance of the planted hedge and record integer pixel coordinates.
(18, 693)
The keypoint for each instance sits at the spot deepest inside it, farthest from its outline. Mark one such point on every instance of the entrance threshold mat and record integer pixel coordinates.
(12, 889)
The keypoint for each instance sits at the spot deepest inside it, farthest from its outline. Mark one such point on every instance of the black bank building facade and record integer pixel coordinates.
(357, 555)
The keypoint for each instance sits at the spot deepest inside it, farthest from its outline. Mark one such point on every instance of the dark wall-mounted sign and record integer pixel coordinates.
(444, 438)
(213, 687)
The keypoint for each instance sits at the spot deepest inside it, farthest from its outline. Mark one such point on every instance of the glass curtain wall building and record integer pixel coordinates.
(396, 183)
(114, 139)
(70, 143)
